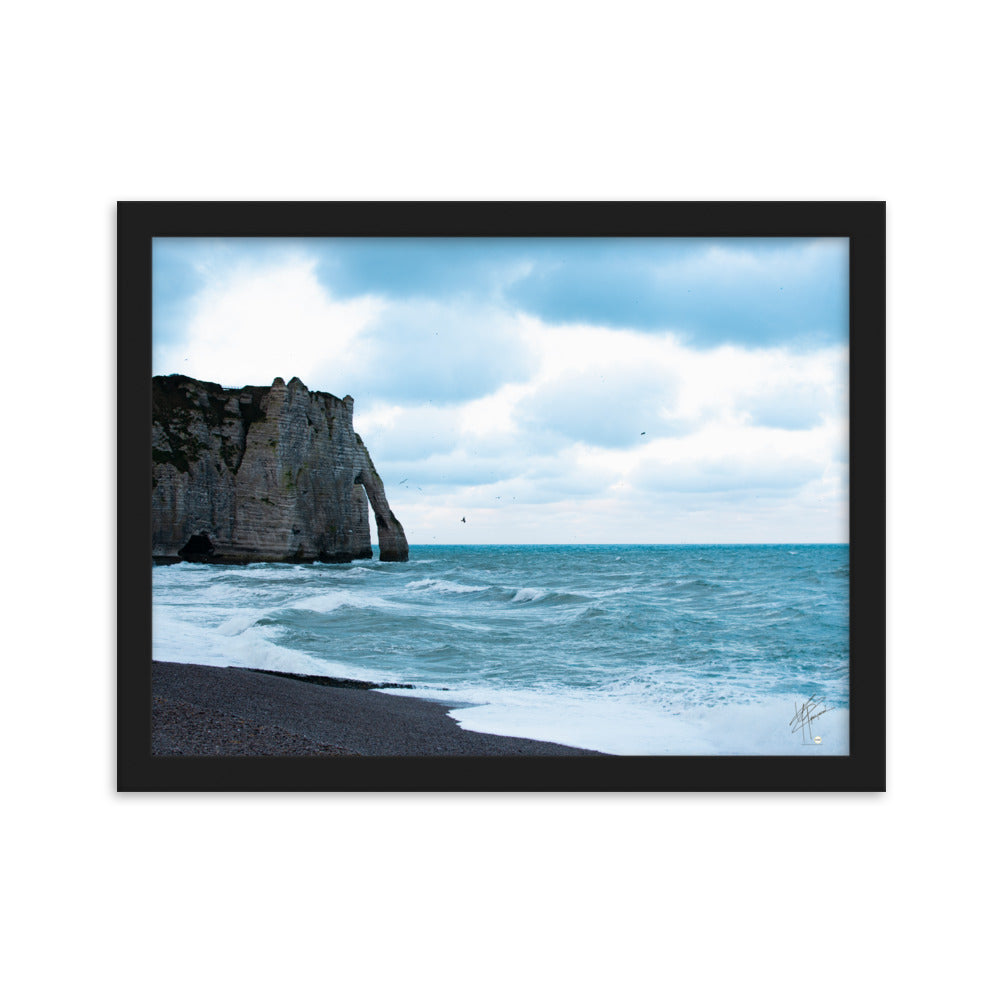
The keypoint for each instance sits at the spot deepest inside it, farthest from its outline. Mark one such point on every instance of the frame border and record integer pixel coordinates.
(863, 222)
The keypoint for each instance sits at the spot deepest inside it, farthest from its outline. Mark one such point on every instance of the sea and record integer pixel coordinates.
(628, 649)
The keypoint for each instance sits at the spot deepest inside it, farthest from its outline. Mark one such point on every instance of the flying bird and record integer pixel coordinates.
(463, 520)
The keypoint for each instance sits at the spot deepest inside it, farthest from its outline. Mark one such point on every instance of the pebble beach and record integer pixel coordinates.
(203, 711)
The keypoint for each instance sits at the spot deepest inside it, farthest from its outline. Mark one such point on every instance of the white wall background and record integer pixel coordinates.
(478, 895)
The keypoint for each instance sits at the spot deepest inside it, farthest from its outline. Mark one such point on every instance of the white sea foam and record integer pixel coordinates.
(254, 649)
(335, 600)
(444, 587)
(631, 727)
(528, 594)
(180, 640)
(358, 571)
(239, 623)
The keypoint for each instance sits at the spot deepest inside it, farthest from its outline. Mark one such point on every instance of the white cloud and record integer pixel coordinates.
(253, 323)
(734, 260)
(409, 433)
(710, 467)
(425, 351)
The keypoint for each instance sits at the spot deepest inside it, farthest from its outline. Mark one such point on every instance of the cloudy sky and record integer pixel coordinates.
(548, 390)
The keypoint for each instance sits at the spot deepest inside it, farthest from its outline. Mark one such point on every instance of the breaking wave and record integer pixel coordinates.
(444, 587)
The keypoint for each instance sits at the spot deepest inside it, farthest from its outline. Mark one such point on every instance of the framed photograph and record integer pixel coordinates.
(501, 496)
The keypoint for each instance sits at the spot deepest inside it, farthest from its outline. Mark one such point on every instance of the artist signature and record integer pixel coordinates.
(805, 715)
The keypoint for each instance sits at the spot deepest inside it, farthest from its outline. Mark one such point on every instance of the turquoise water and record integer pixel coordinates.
(627, 649)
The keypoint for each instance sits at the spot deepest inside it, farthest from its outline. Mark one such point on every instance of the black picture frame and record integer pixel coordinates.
(863, 223)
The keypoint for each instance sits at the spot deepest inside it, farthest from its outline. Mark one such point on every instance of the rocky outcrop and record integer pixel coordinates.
(263, 474)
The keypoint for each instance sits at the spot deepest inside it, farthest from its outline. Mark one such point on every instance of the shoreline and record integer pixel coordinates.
(204, 711)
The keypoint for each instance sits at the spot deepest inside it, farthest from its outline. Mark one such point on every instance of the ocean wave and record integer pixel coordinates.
(538, 595)
(529, 594)
(359, 571)
(692, 583)
(444, 587)
(256, 651)
(325, 603)
(239, 623)
(616, 592)
(592, 612)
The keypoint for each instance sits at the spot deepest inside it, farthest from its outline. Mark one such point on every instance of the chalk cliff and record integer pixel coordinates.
(263, 474)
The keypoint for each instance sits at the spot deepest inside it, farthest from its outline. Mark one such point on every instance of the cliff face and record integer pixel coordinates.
(263, 474)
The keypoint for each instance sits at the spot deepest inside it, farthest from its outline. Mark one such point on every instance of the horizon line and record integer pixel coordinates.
(610, 544)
